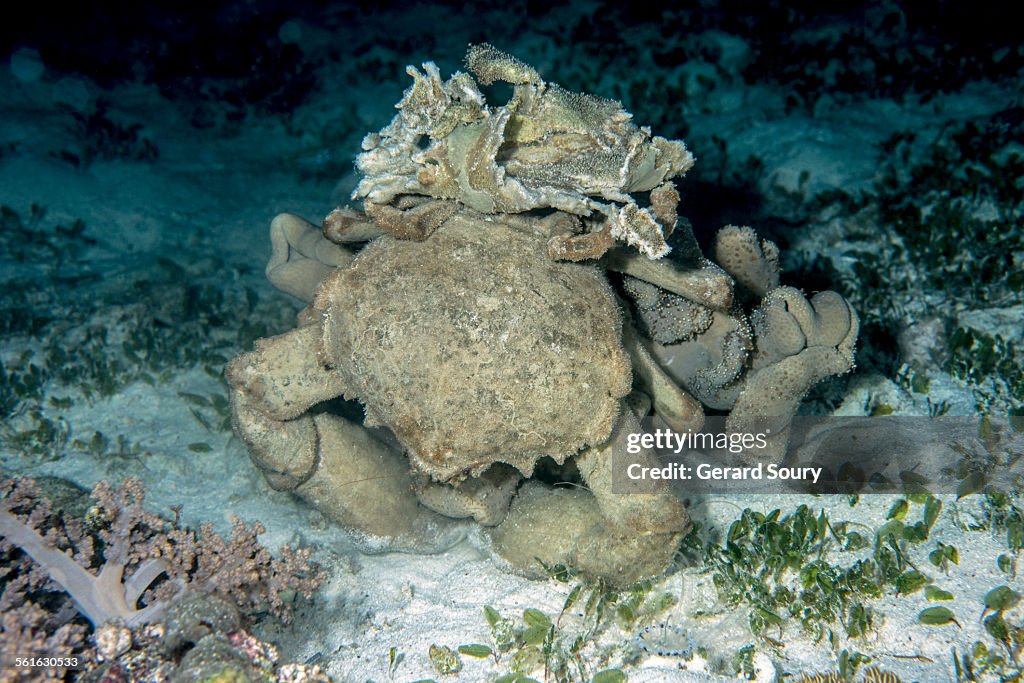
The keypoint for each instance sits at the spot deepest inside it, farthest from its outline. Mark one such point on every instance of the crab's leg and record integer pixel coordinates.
(629, 507)
(354, 479)
(365, 486)
(707, 284)
(671, 403)
(283, 376)
(272, 387)
(548, 526)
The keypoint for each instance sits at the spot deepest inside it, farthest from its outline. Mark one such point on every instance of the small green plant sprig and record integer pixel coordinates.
(445, 660)
(987, 360)
(1003, 664)
(1002, 514)
(778, 566)
(990, 457)
(537, 645)
(982, 663)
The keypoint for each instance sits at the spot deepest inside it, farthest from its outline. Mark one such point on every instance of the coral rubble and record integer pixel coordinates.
(546, 148)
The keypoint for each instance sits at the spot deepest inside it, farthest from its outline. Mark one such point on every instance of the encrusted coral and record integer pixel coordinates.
(752, 261)
(795, 342)
(667, 317)
(546, 148)
(799, 343)
(479, 331)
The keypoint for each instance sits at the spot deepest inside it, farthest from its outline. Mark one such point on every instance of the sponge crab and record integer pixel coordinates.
(478, 355)
(479, 331)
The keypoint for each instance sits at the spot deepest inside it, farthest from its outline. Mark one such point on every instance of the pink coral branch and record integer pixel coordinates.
(101, 597)
(138, 548)
(148, 572)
